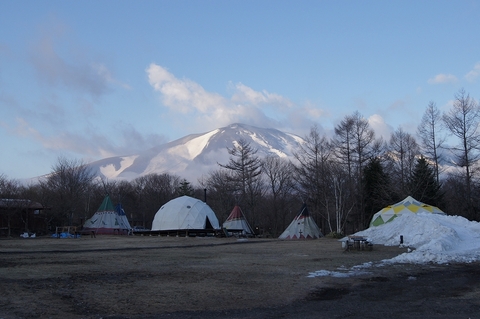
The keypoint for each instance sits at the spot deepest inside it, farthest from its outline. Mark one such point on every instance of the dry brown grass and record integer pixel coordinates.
(141, 274)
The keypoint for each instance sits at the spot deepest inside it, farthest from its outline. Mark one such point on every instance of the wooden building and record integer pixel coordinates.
(18, 216)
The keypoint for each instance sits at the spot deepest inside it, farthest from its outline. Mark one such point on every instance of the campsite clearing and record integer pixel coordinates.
(178, 277)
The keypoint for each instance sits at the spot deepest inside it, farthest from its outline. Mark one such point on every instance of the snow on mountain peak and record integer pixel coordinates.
(111, 171)
(193, 147)
(194, 155)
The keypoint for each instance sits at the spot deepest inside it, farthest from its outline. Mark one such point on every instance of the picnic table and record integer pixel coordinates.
(358, 243)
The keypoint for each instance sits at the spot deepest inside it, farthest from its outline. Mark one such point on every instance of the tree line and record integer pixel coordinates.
(344, 179)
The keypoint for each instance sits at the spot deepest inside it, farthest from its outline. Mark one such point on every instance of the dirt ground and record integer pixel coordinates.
(178, 277)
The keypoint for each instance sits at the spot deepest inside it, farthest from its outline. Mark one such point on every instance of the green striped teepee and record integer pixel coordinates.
(108, 219)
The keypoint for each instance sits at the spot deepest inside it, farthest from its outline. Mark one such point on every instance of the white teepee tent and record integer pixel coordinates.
(107, 220)
(302, 227)
(122, 217)
(236, 222)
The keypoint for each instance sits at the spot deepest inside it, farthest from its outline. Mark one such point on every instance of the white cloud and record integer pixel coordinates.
(182, 95)
(313, 113)
(54, 70)
(56, 65)
(103, 72)
(207, 110)
(446, 106)
(245, 94)
(473, 74)
(380, 127)
(23, 128)
(443, 79)
(90, 142)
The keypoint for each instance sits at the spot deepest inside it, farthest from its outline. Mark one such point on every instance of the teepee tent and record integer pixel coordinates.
(407, 206)
(302, 227)
(236, 222)
(185, 213)
(122, 217)
(107, 220)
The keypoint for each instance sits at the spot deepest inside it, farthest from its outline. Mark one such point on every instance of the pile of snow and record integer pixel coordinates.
(432, 238)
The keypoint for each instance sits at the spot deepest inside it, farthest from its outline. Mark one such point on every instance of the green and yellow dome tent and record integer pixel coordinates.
(407, 206)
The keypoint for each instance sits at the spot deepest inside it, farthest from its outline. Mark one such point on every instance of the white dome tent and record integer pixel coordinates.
(185, 213)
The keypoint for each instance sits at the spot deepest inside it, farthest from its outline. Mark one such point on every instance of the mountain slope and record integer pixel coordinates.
(197, 154)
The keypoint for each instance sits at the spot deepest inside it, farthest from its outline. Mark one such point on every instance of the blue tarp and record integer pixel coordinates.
(64, 235)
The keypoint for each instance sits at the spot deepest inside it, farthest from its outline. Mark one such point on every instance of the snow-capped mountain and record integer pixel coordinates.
(197, 154)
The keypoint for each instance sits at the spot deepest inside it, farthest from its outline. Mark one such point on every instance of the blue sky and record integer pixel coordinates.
(92, 79)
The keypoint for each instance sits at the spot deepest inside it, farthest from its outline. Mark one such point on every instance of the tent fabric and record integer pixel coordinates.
(236, 221)
(122, 217)
(107, 219)
(407, 206)
(185, 212)
(302, 227)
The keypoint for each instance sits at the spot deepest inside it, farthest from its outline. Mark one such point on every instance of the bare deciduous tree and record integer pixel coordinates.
(279, 178)
(403, 150)
(355, 144)
(153, 191)
(343, 142)
(312, 173)
(429, 132)
(343, 205)
(219, 192)
(9, 192)
(69, 183)
(462, 121)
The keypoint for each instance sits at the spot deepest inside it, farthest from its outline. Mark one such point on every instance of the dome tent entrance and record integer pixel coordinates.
(407, 206)
(185, 213)
(302, 227)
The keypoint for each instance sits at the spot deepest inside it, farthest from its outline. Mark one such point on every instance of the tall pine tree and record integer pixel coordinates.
(185, 189)
(423, 184)
(377, 188)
